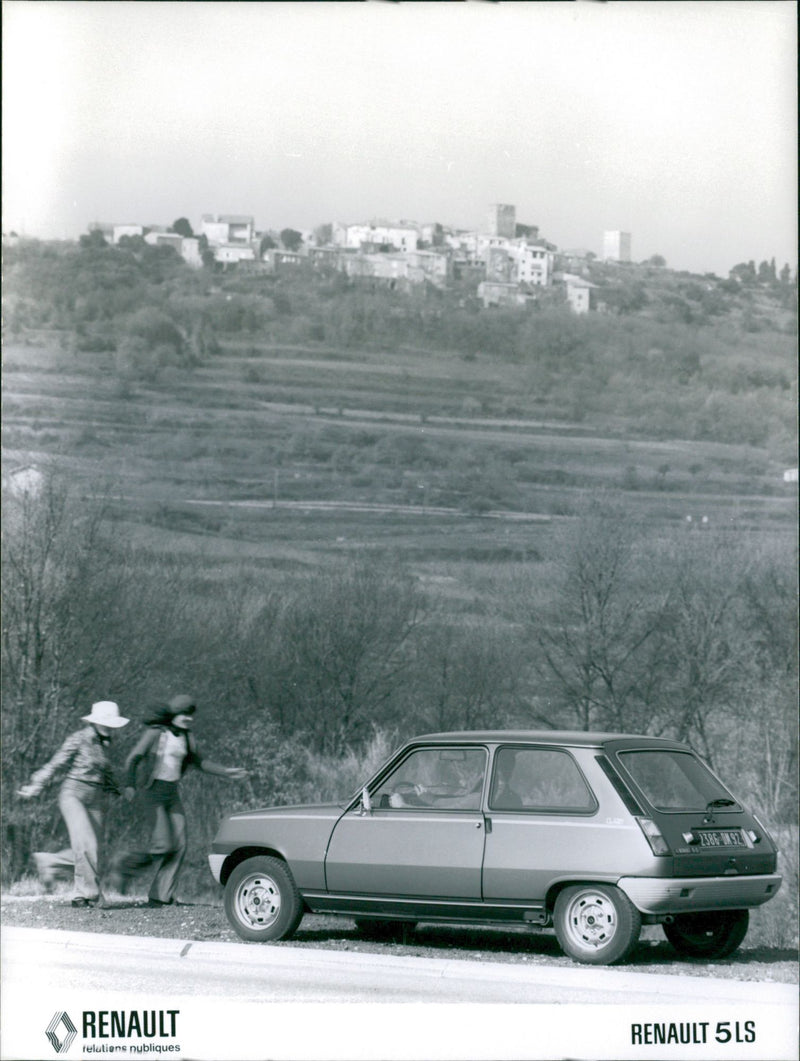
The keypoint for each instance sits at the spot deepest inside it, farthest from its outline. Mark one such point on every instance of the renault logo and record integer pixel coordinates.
(68, 1030)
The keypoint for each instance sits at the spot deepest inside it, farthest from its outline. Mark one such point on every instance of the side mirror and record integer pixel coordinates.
(366, 803)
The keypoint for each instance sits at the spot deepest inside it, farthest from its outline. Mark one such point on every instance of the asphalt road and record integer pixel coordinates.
(46, 959)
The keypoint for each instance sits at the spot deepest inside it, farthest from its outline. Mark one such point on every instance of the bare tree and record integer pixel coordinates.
(465, 677)
(767, 711)
(596, 647)
(81, 622)
(703, 672)
(330, 658)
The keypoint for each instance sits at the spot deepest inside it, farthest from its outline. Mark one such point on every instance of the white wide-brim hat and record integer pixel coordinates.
(106, 713)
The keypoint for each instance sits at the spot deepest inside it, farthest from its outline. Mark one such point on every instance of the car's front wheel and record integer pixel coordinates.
(710, 934)
(596, 923)
(262, 901)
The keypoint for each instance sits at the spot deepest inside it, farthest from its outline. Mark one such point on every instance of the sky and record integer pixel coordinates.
(673, 121)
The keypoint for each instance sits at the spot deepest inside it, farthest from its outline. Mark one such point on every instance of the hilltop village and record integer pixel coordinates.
(505, 263)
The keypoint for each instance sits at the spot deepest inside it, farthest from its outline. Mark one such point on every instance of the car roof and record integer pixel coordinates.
(577, 738)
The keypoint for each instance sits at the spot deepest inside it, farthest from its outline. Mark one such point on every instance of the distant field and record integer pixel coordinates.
(291, 459)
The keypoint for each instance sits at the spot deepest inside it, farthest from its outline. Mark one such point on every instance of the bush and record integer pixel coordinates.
(338, 777)
(152, 342)
(775, 924)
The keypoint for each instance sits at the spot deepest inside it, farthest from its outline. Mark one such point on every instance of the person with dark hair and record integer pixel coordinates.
(158, 761)
(81, 800)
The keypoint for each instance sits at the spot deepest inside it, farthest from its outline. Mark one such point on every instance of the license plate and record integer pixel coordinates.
(722, 838)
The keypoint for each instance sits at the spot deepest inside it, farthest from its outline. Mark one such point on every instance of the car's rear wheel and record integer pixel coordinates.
(710, 934)
(596, 923)
(262, 901)
(372, 928)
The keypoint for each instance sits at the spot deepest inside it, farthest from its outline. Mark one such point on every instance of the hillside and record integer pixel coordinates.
(438, 434)
(340, 515)
(683, 359)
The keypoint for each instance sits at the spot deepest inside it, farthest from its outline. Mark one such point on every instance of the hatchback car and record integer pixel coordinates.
(594, 834)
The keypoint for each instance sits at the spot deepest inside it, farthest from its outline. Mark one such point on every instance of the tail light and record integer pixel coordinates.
(756, 838)
(652, 833)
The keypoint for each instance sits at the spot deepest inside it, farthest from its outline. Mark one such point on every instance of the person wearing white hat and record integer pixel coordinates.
(81, 799)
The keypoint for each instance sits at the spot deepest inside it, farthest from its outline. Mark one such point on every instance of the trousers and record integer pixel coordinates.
(167, 848)
(81, 806)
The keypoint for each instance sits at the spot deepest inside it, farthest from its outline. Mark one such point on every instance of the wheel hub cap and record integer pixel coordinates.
(592, 921)
(258, 901)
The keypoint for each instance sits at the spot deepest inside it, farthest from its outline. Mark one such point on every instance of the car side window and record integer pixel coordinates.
(543, 779)
(435, 778)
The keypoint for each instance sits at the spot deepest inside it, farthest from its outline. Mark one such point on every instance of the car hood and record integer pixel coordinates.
(300, 810)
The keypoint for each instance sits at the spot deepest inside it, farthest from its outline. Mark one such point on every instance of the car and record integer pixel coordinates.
(592, 834)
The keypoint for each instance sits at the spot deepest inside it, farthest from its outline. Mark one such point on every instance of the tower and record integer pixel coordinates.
(616, 246)
(502, 220)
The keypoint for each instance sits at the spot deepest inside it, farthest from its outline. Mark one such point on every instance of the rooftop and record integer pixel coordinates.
(539, 736)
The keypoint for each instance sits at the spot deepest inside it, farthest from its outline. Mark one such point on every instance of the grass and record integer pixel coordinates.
(210, 436)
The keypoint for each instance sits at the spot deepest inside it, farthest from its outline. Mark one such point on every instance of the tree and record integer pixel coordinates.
(267, 244)
(465, 678)
(598, 652)
(291, 239)
(744, 271)
(657, 260)
(80, 623)
(786, 274)
(206, 253)
(624, 298)
(93, 240)
(182, 227)
(767, 711)
(700, 631)
(134, 244)
(152, 341)
(728, 673)
(328, 660)
(766, 272)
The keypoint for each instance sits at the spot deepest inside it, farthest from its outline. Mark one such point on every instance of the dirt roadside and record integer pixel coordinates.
(205, 920)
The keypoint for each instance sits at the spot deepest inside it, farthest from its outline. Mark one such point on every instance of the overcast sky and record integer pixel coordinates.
(673, 121)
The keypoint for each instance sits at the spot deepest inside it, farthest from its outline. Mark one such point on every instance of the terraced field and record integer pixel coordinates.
(299, 455)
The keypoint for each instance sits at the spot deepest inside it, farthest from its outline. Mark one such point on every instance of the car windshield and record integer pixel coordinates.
(673, 780)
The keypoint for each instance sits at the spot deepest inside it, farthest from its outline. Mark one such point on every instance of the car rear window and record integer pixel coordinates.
(673, 780)
(539, 779)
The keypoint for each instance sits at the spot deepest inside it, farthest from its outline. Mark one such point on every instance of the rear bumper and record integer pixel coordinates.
(674, 895)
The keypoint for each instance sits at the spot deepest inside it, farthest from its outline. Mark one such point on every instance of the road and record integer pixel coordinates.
(47, 959)
(210, 1001)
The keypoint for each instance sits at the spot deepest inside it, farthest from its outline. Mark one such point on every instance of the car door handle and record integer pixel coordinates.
(488, 825)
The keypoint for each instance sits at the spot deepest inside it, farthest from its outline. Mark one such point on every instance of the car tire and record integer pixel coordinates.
(390, 931)
(596, 924)
(262, 902)
(709, 934)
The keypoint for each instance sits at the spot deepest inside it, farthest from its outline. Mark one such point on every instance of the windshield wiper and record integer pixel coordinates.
(713, 804)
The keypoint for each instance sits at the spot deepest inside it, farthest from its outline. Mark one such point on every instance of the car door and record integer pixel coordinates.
(539, 825)
(424, 834)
